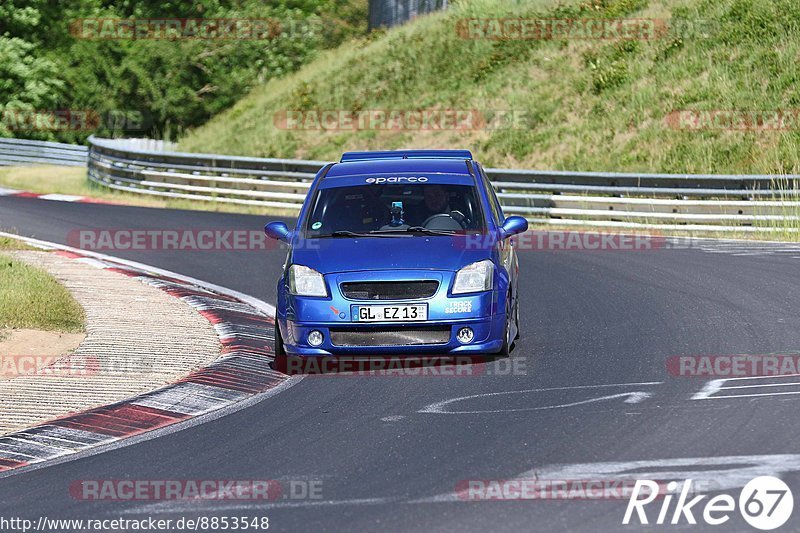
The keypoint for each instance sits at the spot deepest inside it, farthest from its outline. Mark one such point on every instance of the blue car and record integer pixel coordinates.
(399, 252)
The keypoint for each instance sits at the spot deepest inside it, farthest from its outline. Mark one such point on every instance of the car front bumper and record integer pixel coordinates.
(488, 338)
(335, 318)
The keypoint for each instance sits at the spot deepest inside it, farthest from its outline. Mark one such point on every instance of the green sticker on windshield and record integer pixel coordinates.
(316, 225)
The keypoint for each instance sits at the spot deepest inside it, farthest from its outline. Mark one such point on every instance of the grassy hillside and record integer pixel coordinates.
(587, 104)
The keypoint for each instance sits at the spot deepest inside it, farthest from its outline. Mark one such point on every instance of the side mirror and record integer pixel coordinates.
(512, 226)
(278, 231)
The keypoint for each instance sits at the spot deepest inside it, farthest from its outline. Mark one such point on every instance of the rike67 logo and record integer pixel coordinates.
(765, 503)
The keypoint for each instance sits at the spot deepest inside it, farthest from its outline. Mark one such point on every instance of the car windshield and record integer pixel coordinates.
(387, 209)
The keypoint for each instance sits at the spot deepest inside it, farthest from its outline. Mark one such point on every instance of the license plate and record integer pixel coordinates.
(390, 313)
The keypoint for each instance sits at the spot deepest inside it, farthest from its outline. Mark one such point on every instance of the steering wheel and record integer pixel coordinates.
(445, 221)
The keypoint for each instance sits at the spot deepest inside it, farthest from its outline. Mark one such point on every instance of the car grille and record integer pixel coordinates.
(389, 290)
(390, 336)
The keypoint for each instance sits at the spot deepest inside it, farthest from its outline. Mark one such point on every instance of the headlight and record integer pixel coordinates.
(304, 281)
(476, 277)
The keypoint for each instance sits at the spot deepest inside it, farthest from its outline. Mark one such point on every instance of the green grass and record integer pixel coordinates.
(31, 298)
(7, 243)
(589, 104)
(788, 227)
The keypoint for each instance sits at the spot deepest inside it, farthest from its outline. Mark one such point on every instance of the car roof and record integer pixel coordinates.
(406, 154)
(399, 166)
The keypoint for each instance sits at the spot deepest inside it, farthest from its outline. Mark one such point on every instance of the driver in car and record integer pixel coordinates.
(436, 200)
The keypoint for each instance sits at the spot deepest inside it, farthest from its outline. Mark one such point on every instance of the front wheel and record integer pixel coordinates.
(508, 341)
(278, 346)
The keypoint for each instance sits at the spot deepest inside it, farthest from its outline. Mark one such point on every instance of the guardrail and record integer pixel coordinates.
(668, 201)
(24, 152)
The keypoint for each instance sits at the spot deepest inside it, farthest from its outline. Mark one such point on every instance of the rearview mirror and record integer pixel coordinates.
(512, 226)
(278, 231)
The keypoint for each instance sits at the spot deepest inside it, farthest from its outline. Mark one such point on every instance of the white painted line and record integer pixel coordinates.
(62, 197)
(8, 192)
(762, 385)
(631, 397)
(207, 303)
(17, 456)
(92, 262)
(44, 450)
(67, 437)
(716, 385)
(730, 396)
(708, 389)
(763, 377)
(190, 398)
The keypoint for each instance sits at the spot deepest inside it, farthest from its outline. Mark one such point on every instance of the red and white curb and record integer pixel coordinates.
(53, 196)
(245, 328)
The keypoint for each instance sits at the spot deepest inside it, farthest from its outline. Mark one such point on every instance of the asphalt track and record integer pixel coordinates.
(596, 328)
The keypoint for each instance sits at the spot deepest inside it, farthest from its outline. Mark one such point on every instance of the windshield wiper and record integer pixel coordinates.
(404, 232)
(353, 234)
(346, 233)
(415, 229)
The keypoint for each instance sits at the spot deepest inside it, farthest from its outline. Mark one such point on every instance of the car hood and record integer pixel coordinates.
(390, 253)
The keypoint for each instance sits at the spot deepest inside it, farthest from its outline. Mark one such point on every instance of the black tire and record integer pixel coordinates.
(516, 318)
(278, 347)
(508, 342)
